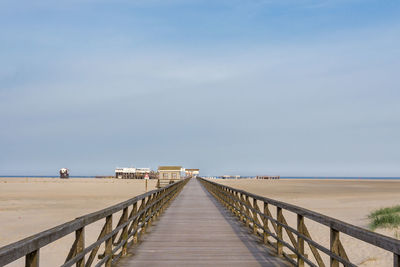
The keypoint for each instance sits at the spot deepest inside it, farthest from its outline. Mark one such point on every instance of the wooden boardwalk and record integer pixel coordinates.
(197, 231)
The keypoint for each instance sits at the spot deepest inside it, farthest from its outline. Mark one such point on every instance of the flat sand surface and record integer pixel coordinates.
(347, 200)
(31, 205)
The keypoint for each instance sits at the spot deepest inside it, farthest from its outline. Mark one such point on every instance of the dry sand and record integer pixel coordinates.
(31, 205)
(348, 200)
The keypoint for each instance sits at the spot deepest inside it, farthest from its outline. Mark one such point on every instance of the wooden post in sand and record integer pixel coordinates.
(247, 211)
(396, 260)
(265, 223)
(32, 259)
(300, 241)
(255, 218)
(108, 245)
(279, 245)
(135, 223)
(125, 232)
(334, 246)
(80, 245)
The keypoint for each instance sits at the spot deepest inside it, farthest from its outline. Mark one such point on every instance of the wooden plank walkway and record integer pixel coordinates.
(197, 231)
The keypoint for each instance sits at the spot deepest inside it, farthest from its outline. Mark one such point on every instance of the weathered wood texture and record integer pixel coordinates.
(238, 202)
(197, 231)
(116, 240)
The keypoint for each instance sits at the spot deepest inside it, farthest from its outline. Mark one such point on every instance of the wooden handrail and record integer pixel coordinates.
(238, 201)
(152, 204)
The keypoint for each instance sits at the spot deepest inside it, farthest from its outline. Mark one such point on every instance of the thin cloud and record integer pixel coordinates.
(323, 103)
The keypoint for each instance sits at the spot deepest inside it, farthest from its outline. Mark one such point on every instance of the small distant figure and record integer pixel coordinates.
(64, 173)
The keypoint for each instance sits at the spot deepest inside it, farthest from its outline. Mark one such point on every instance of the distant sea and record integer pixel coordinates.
(42, 176)
(342, 178)
(325, 177)
(282, 177)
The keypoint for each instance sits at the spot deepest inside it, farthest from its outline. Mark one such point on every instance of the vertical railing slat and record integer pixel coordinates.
(125, 232)
(32, 259)
(255, 216)
(334, 244)
(159, 200)
(80, 245)
(279, 245)
(300, 241)
(108, 245)
(265, 220)
(247, 211)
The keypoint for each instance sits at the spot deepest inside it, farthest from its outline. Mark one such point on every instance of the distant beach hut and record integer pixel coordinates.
(134, 173)
(170, 172)
(168, 175)
(125, 173)
(64, 173)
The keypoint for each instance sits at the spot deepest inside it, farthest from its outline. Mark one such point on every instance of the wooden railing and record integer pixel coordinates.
(246, 207)
(138, 214)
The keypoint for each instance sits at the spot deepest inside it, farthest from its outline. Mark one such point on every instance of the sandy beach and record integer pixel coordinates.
(348, 200)
(31, 205)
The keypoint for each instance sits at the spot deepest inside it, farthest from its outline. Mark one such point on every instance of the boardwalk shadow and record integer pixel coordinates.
(264, 255)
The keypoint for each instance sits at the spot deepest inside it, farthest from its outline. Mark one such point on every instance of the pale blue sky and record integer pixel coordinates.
(289, 87)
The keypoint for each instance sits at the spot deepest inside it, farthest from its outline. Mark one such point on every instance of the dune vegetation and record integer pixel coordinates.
(385, 218)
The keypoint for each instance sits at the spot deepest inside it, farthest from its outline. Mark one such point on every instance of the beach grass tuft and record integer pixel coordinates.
(385, 218)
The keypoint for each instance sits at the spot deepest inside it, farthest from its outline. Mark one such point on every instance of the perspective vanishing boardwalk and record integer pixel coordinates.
(199, 222)
(196, 230)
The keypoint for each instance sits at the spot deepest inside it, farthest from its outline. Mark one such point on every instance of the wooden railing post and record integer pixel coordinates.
(255, 216)
(334, 246)
(300, 241)
(237, 204)
(227, 200)
(157, 206)
(223, 196)
(144, 223)
(162, 196)
(242, 210)
(108, 250)
(396, 260)
(162, 202)
(32, 259)
(336, 252)
(125, 231)
(151, 210)
(134, 223)
(232, 203)
(247, 212)
(265, 222)
(279, 245)
(80, 245)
